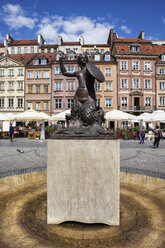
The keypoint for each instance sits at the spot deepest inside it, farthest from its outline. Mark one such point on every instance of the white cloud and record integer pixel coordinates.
(94, 31)
(125, 29)
(15, 17)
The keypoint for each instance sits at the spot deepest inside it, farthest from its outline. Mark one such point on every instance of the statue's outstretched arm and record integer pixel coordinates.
(64, 71)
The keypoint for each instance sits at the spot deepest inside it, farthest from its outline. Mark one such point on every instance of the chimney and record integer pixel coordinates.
(112, 37)
(9, 38)
(60, 40)
(41, 40)
(81, 39)
(141, 35)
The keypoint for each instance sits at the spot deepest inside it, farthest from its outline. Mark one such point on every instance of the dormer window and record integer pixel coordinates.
(135, 47)
(35, 62)
(67, 50)
(102, 51)
(71, 57)
(75, 50)
(107, 57)
(163, 57)
(43, 61)
(97, 57)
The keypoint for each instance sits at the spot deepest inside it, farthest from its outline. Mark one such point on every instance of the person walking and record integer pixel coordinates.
(142, 135)
(157, 137)
(11, 131)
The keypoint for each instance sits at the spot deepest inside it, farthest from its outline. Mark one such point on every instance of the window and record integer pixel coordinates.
(11, 72)
(25, 49)
(20, 72)
(45, 88)
(87, 50)
(124, 84)
(70, 101)
(38, 74)
(30, 105)
(38, 87)
(108, 86)
(70, 68)
(13, 50)
(162, 85)
(135, 65)
(107, 71)
(107, 57)
(30, 88)
(1, 85)
(147, 101)
(42, 50)
(20, 85)
(10, 102)
(67, 50)
(2, 73)
(163, 57)
(19, 50)
(2, 103)
(98, 102)
(30, 74)
(70, 86)
(11, 86)
(124, 101)
(43, 61)
(46, 74)
(147, 84)
(31, 49)
(38, 106)
(92, 51)
(35, 62)
(162, 100)
(102, 51)
(57, 70)
(58, 86)
(75, 50)
(46, 106)
(108, 102)
(20, 103)
(123, 65)
(136, 83)
(48, 50)
(162, 71)
(55, 50)
(97, 57)
(135, 48)
(147, 66)
(97, 86)
(71, 57)
(58, 103)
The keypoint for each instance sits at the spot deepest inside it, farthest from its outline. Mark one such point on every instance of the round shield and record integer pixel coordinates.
(95, 72)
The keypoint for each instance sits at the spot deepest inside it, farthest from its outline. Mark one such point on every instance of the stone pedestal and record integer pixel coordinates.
(83, 181)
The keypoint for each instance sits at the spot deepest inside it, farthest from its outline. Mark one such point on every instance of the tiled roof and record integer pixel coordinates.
(23, 42)
(131, 40)
(97, 45)
(50, 56)
(49, 45)
(146, 49)
(159, 49)
(1, 44)
(24, 58)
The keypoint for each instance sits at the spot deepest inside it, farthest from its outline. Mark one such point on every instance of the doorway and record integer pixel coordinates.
(137, 103)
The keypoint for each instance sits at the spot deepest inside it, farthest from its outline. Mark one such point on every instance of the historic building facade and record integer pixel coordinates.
(135, 74)
(12, 84)
(39, 82)
(159, 50)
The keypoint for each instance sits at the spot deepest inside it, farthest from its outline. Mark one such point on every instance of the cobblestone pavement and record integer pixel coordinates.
(135, 158)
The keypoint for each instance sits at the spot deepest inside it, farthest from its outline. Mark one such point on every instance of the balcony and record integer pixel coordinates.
(137, 108)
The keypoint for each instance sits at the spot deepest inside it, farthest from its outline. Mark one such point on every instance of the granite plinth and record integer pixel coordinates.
(83, 181)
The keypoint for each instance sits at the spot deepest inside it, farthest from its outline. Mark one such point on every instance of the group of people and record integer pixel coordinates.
(157, 135)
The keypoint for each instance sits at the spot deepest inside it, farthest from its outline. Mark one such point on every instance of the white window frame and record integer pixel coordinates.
(108, 71)
(25, 50)
(124, 83)
(11, 72)
(30, 105)
(20, 85)
(123, 65)
(11, 85)
(162, 100)
(58, 103)
(30, 89)
(124, 101)
(147, 102)
(108, 102)
(57, 70)
(97, 57)
(136, 83)
(38, 74)
(38, 105)
(70, 68)
(147, 66)
(70, 85)
(38, 89)
(30, 74)
(2, 102)
(2, 86)
(12, 50)
(68, 50)
(163, 57)
(2, 72)
(135, 65)
(147, 82)
(46, 88)
(18, 50)
(32, 49)
(20, 72)
(46, 106)
(162, 86)
(69, 103)
(58, 86)
(10, 103)
(98, 86)
(98, 102)
(46, 74)
(162, 71)
(107, 57)
(20, 102)
(108, 86)
(43, 61)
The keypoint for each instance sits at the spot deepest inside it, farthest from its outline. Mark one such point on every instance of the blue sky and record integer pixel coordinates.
(24, 19)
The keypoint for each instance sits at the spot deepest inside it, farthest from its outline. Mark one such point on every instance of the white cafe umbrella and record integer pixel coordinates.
(144, 117)
(60, 116)
(6, 116)
(158, 115)
(32, 115)
(118, 115)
